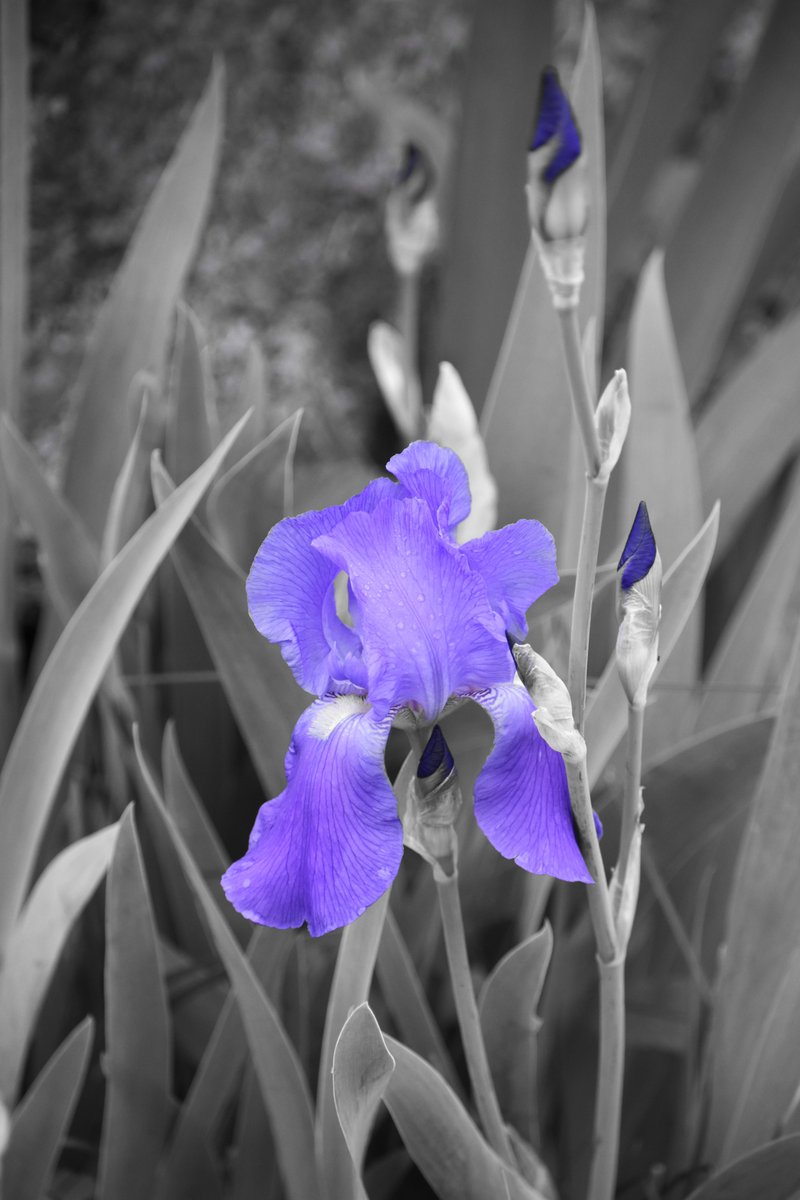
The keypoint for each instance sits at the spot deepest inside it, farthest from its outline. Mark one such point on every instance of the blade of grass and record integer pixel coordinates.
(62, 695)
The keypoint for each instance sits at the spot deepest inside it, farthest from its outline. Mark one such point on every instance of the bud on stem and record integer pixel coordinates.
(434, 801)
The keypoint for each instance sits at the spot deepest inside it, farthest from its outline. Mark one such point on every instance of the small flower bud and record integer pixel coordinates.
(558, 203)
(412, 218)
(640, 608)
(553, 715)
(434, 801)
(612, 418)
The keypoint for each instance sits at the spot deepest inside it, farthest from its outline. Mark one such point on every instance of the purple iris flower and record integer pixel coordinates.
(426, 620)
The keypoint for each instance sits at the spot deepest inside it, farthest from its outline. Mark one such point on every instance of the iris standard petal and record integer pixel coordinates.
(288, 593)
(424, 617)
(518, 564)
(437, 476)
(331, 843)
(521, 796)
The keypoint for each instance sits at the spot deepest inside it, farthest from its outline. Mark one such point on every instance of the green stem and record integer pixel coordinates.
(582, 400)
(408, 319)
(468, 1019)
(611, 969)
(593, 505)
(633, 788)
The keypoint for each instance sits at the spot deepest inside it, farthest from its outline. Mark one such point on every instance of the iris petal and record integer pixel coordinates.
(290, 600)
(331, 843)
(424, 617)
(555, 122)
(437, 476)
(518, 564)
(521, 795)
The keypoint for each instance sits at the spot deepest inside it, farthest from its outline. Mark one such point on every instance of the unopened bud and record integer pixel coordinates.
(640, 608)
(433, 804)
(612, 418)
(558, 204)
(553, 716)
(412, 218)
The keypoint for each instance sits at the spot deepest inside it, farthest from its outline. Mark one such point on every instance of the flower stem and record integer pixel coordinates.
(468, 1019)
(582, 400)
(611, 969)
(633, 786)
(593, 505)
(408, 320)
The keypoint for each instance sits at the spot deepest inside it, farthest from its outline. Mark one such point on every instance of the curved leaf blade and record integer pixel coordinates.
(57, 900)
(63, 692)
(39, 1124)
(133, 327)
(362, 1067)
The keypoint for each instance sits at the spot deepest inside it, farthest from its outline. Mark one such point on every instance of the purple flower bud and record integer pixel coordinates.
(640, 549)
(555, 127)
(436, 762)
(415, 174)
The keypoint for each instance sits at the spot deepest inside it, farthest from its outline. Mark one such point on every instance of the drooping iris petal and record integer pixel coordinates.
(288, 594)
(331, 843)
(639, 552)
(555, 122)
(521, 796)
(518, 564)
(438, 477)
(424, 617)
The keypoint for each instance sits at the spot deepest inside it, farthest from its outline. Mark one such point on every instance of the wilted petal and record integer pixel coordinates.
(424, 617)
(521, 795)
(289, 593)
(331, 843)
(518, 564)
(438, 477)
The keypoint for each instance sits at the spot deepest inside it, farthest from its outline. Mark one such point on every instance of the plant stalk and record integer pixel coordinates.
(582, 400)
(468, 1019)
(611, 969)
(593, 505)
(408, 320)
(633, 787)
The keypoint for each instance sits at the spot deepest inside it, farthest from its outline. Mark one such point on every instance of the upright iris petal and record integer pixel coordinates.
(425, 621)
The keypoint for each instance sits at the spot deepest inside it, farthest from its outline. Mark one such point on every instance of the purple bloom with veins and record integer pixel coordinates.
(379, 612)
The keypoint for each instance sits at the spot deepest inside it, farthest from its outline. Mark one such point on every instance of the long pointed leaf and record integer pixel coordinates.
(771, 1173)
(138, 1045)
(62, 695)
(133, 327)
(260, 690)
(58, 898)
(362, 1067)
(762, 926)
(274, 1059)
(41, 1121)
(509, 1020)
(659, 465)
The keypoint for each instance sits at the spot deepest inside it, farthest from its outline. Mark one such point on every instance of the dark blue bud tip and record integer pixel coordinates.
(555, 123)
(415, 172)
(640, 549)
(435, 757)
